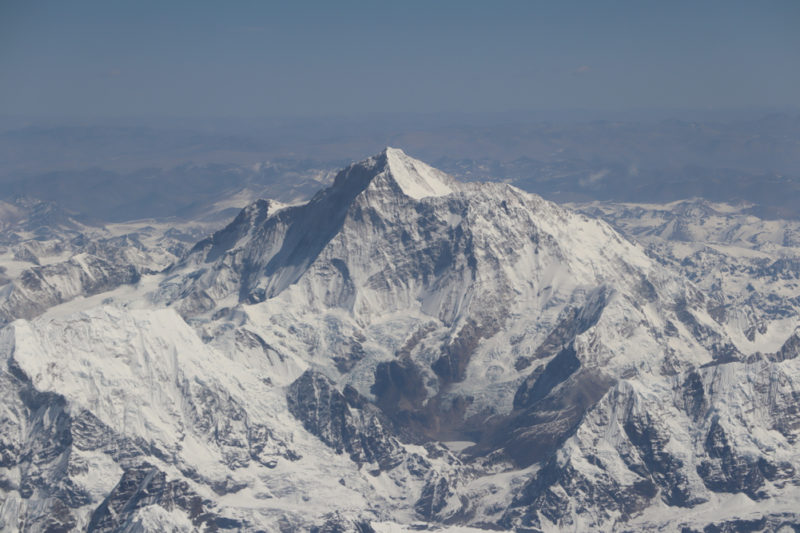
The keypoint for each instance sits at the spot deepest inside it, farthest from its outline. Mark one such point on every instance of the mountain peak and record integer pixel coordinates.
(417, 179)
(392, 166)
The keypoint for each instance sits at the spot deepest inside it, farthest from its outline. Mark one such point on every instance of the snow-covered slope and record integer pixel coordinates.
(401, 351)
(47, 257)
(748, 267)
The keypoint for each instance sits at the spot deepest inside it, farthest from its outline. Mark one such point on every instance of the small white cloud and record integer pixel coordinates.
(583, 69)
(597, 176)
(594, 177)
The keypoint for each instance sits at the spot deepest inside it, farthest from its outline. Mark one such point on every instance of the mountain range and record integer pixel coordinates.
(402, 351)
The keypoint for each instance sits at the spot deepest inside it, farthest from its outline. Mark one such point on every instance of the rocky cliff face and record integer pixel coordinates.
(402, 349)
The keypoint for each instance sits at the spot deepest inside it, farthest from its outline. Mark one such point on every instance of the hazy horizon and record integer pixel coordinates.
(170, 100)
(98, 60)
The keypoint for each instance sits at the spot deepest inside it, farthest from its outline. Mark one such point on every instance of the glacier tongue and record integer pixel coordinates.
(302, 367)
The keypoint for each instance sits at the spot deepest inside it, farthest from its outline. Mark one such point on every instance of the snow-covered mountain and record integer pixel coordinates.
(402, 351)
(48, 256)
(748, 267)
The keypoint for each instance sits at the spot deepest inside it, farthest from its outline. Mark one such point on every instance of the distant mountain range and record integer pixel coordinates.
(126, 170)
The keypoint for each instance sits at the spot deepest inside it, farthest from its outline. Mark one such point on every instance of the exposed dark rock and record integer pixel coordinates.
(722, 350)
(362, 433)
(402, 396)
(345, 363)
(539, 384)
(550, 416)
(336, 523)
(227, 486)
(655, 463)
(727, 471)
(250, 339)
(405, 351)
(90, 433)
(399, 389)
(789, 350)
(223, 421)
(693, 396)
(434, 498)
(140, 487)
(522, 362)
(545, 494)
(573, 322)
(537, 496)
(41, 287)
(38, 441)
(58, 518)
(451, 367)
(220, 242)
(646, 290)
(737, 526)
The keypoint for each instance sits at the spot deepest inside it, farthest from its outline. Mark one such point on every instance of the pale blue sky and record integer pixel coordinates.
(198, 58)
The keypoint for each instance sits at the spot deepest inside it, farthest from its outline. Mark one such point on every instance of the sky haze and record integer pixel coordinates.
(244, 59)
